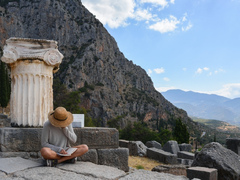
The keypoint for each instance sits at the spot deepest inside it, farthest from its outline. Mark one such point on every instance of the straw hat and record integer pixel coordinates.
(60, 117)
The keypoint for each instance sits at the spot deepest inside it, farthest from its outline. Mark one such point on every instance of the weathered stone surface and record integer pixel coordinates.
(10, 165)
(137, 148)
(32, 63)
(214, 155)
(97, 138)
(90, 156)
(123, 143)
(25, 155)
(114, 157)
(172, 147)
(4, 121)
(97, 171)
(185, 155)
(150, 175)
(171, 169)
(20, 139)
(162, 156)
(185, 147)
(202, 173)
(59, 173)
(155, 144)
(29, 139)
(233, 144)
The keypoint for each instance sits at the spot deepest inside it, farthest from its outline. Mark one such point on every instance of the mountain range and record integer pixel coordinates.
(207, 106)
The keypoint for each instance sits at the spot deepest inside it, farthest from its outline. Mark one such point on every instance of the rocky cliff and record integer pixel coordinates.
(115, 86)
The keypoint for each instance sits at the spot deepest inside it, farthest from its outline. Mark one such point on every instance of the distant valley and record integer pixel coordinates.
(206, 106)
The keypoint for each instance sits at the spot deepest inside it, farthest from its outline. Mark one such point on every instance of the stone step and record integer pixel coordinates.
(29, 139)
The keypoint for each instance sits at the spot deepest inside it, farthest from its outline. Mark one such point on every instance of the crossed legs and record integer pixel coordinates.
(47, 153)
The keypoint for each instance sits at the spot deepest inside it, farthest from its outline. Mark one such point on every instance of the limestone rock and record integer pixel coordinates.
(172, 147)
(214, 155)
(185, 147)
(91, 56)
(162, 156)
(155, 144)
(233, 144)
(137, 148)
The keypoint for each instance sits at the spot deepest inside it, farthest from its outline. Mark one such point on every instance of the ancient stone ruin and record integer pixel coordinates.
(32, 63)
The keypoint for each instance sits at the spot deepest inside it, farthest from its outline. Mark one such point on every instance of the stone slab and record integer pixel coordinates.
(185, 155)
(97, 171)
(29, 139)
(90, 156)
(10, 165)
(150, 175)
(114, 157)
(233, 144)
(123, 143)
(98, 138)
(51, 173)
(25, 155)
(20, 139)
(202, 173)
(162, 156)
(185, 147)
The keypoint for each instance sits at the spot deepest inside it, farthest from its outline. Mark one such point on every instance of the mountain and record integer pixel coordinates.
(207, 106)
(110, 86)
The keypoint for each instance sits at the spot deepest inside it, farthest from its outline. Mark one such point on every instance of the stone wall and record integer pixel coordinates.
(102, 142)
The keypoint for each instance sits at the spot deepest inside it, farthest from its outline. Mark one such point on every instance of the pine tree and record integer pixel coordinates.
(180, 132)
(4, 86)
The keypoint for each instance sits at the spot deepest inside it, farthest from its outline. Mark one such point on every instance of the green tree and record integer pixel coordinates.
(165, 135)
(138, 132)
(5, 89)
(69, 100)
(180, 132)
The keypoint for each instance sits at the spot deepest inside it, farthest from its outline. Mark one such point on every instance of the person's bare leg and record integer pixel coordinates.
(82, 149)
(47, 153)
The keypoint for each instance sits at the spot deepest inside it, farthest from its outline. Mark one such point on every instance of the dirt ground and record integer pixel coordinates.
(142, 162)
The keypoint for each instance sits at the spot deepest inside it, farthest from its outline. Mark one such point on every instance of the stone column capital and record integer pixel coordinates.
(35, 49)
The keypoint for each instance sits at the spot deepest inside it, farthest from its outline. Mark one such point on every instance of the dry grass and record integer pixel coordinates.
(146, 163)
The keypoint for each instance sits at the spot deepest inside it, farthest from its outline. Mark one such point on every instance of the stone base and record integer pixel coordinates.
(162, 156)
(202, 173)
(29, 139)
(102, 143)
(111, 157)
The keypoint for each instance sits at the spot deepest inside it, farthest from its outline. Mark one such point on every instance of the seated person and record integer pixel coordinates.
(56, 137)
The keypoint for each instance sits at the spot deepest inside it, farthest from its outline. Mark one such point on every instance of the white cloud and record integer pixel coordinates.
(219, 71)
(229, 90)
(165, 25)
(159, 70)
(144, 14)
(166, 79)
(122, 13)
(149, 72)
(112, 13)
(200, 70)
(164, 89)
(189, 26)
(162, 3)
(184, 69)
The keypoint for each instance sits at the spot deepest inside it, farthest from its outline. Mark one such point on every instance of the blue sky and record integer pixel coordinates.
(193, 45)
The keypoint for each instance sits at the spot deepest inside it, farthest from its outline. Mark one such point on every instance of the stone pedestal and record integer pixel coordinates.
(32, 63)
(102, 142)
